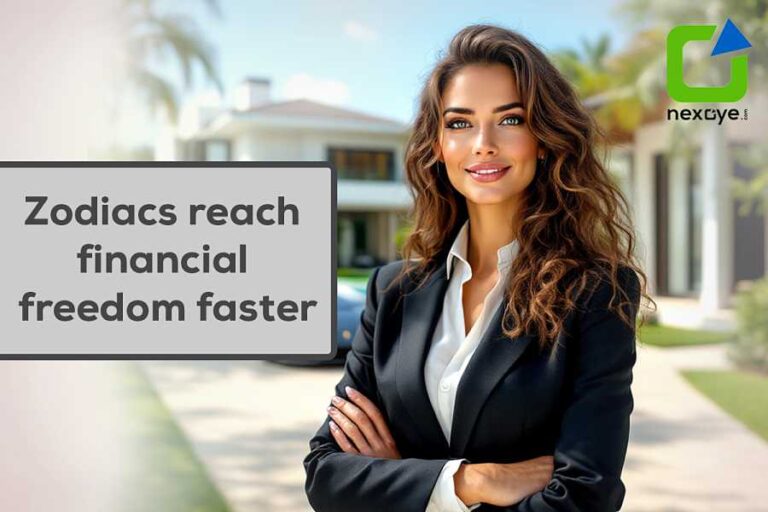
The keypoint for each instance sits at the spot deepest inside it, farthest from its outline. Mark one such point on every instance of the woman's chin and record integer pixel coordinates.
(488, 196)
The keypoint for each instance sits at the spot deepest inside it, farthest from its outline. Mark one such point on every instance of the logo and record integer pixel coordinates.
(730, 40)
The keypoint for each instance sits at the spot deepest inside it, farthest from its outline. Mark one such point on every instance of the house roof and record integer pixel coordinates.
(309, 108)
(301, 113)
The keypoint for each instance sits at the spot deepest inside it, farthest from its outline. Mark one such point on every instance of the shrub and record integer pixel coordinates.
(750, 349)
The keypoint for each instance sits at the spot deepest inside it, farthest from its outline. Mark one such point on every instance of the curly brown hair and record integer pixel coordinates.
(575, 228)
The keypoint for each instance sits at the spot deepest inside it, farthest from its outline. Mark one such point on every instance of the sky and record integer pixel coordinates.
(371, 57)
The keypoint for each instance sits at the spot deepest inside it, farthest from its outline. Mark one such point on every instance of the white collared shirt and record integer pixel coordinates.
(451, 351)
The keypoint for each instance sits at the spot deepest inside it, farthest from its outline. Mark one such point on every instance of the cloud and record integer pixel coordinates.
(324, 90)
(360, 31)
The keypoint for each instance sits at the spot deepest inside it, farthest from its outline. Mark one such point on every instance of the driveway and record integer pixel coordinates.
(250, 422)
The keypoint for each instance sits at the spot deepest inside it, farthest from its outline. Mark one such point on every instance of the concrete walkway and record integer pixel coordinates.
(250, 422)
(685, 453)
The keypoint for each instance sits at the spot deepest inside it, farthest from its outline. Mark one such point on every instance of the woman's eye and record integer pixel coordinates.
(512, 120)
(457, 124)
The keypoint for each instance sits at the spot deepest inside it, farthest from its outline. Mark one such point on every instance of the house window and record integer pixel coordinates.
(363, 164)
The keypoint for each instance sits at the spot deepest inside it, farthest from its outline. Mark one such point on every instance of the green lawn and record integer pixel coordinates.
(168, 476)
(744, 395)
(665, 336)
(354, 272)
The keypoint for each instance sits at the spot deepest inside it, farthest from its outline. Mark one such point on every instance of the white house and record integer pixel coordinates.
(367, 152)
(696, 248)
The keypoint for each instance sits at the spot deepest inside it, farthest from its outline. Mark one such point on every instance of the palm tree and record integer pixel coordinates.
(752, 18)
(604, 81)
(151, 35)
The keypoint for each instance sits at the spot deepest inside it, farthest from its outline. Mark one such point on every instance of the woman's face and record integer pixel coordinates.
(489, 153)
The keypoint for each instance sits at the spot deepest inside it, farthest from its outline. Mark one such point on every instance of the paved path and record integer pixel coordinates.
(250, 422)
(685, 454)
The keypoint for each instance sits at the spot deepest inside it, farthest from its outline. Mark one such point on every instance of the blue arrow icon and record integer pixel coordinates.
(731, 40)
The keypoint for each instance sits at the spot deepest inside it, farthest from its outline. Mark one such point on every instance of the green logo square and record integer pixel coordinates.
(730, 40)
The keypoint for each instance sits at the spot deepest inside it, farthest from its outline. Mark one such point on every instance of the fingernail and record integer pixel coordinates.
(331, 410)
(351, 392)
(333, 425)
(336, 400)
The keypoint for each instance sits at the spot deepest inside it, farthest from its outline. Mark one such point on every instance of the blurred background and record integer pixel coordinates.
(220, 80)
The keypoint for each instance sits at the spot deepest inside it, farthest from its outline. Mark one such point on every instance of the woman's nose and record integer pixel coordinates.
(485, 143)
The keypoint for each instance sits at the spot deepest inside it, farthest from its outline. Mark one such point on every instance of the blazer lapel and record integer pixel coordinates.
(492, 359)
(421, 311)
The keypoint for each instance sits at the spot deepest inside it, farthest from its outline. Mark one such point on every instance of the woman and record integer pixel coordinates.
(493, 372)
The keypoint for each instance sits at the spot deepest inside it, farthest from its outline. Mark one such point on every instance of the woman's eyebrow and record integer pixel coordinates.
(469, 111)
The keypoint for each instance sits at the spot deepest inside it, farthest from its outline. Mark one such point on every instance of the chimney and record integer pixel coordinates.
(252, 92)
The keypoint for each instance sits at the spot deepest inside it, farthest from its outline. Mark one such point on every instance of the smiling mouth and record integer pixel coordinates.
(487, 172)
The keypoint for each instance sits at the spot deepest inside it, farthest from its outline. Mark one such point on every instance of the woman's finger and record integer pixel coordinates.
(350, 429)
(361, 419)
(373, 413)
(341, 439)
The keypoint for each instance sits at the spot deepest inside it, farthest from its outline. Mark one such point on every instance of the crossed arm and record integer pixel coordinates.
(341, 481)
(356, 465)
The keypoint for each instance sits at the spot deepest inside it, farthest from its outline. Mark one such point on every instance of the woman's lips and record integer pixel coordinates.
(487, 174)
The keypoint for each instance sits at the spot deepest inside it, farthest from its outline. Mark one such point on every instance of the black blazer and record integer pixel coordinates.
(513, 403)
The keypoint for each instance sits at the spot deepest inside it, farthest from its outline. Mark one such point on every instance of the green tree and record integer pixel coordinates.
(650, 74)
(752, 18)
(608, 82)
(151, 36)
(752, 193)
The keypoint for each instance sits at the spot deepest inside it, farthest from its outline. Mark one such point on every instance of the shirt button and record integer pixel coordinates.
(444, 387)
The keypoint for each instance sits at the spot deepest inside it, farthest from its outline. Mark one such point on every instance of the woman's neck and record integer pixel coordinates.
(490, 228)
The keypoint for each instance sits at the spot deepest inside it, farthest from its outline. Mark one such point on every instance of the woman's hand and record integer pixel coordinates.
(359, 427)
(502, 485)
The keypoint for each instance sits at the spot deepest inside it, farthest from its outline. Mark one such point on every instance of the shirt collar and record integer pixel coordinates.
(504, 254)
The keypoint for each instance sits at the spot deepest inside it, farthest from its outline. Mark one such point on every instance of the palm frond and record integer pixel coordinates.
(158, 91)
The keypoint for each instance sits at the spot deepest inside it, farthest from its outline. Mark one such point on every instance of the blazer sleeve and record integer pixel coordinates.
(338, 481)
(590, 451)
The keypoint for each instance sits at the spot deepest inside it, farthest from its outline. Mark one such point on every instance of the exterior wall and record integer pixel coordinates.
(275, 144)
(620, 164)
(649, 140)
(270, 145)
(717, 224)
(657, 139)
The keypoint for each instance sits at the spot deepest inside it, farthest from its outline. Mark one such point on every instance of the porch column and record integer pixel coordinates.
(392, 232)
(717, 222)
(644, 208)
(679, 249)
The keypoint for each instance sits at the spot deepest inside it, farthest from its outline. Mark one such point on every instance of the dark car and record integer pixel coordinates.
(349, 305)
